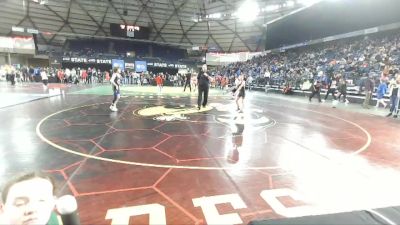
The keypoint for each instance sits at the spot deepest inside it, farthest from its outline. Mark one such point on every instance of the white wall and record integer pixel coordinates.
(25, 60)
(3, 59)
(19, 59)
(216, 59)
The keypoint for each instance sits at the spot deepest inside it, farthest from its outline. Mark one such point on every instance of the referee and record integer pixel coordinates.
(203, 81)
(187, 82)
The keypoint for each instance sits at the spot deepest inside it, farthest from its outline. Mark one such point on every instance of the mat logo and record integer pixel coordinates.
(170, 112)
(222, 113)
(255, 120)
(173, 117)
(157, 216)
(254, 117)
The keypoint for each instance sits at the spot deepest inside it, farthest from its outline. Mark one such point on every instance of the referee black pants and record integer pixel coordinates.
(187, 84)
(331, 90)
(203, 95)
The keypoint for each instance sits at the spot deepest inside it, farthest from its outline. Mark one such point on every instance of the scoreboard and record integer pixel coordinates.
(129, 31)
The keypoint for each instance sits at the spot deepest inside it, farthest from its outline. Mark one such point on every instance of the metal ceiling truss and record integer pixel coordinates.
(23, 19)
(208, 23)
(261, 41)
(33, 24)
(144, 5)
(102, 21)
(230, 46)
(90, 16)
(208, 30)
(235, 33)
(65, 21)
(176, 10)
(139, 15)
(116, 10)
(18, 24)
(215, 41)
(88, 20)
(233, 39)
(40, 34)
(141, 10)
(187, 31)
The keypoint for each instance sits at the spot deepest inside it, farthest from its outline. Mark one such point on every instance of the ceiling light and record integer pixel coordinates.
(215, 15)
(17, 29)
(248, 11)
(290, 3)
(308, 2)
(42, 2)
(271, 8)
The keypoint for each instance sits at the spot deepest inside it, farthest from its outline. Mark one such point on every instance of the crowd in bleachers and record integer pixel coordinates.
(354, 59)
(367, 65)
(26, 74)
(79, 75)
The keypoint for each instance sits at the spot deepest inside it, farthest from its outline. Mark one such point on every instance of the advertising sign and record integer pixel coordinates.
(141, 66)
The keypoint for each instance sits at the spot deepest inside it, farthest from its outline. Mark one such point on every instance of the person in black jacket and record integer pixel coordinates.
(316, 90)
(369, 88)
(203, 81)
(343, 90)
(332, 85)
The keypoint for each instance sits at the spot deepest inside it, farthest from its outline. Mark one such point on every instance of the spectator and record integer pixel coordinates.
(68, 73)
(380, 93)
(159, 82)
(332, 83)
(394, 96)
(45, 78)
(250, 82)
(369, 88)
(316, 90)
(343, 90)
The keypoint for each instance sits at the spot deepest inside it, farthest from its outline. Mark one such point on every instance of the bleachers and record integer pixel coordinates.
(120, 48)
(353, 58)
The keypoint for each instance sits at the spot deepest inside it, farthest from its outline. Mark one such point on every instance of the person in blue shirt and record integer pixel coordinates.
(380, 93)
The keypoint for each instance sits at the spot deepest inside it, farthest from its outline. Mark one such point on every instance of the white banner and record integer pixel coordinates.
(216, 59)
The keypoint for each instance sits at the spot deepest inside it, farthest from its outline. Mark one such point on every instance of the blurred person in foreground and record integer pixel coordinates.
(394, 94)
(29, 199)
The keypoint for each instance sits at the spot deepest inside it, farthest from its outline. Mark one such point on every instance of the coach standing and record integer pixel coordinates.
(203, 80)
(369, 88)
